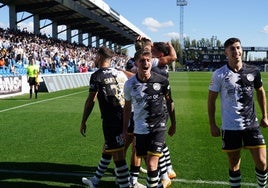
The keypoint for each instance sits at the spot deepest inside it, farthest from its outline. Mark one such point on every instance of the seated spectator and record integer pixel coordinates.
(3, 53)
(50, 53)
(83, 68)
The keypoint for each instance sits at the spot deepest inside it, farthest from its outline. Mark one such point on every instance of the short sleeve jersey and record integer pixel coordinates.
(236, 91)
(147, 101)
(32, 70)
(109, 83)
(163, 69)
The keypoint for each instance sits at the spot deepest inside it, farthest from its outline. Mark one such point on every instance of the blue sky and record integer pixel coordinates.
(202, 19)
(160, 19)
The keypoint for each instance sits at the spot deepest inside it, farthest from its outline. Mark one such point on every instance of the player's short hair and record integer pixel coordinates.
(105, 52)
(139, 44)
(142, 52)
(161, 47)
(231, 41)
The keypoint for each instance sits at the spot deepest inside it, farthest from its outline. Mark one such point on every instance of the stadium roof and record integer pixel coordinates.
(87, 16)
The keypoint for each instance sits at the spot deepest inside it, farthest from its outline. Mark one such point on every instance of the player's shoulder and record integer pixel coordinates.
(132, 80)
(222, 70)
(247, 66)
(158, 77)
(120, 75)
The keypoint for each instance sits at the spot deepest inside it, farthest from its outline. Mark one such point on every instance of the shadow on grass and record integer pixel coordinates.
(47, 175)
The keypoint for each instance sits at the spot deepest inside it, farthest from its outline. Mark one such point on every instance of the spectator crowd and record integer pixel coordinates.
(51, 55)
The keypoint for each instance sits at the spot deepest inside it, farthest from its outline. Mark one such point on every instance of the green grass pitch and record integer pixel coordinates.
(41, 145)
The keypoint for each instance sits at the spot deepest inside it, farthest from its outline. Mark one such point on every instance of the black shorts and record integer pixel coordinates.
(151, 143)
(112, 132)
(235, 140)
(32, 81)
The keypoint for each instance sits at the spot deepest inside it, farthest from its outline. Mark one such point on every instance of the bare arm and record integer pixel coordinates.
(172, 56)
(214, 129)
(171, 111)
(261, 97)
(164, 60)
(88, 107)
(127, 73)
(126, 117)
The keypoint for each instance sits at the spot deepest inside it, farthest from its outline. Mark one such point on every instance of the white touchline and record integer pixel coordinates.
(81, 175)
(112, 177)
(37, 102)
(210, 182)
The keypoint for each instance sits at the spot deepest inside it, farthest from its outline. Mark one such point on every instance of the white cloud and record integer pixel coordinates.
(265, 29)
(28, 26)
(173, 35)
(153, 25)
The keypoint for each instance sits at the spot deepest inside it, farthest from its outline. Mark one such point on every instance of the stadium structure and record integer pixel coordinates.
(211, 58)
(92, 17)
(96, 24)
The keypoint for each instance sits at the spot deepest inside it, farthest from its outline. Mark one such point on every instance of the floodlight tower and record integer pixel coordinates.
(181, 3)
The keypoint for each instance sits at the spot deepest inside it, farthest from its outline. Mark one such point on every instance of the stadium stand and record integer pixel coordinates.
(93, 18)
(52, 55)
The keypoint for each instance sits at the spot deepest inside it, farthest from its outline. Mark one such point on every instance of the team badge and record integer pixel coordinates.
(250, 77)
(156, 86)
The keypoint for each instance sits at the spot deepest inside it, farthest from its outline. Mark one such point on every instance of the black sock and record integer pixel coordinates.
(261, 177)
(153, 179)
(122, 174)
(235, 178)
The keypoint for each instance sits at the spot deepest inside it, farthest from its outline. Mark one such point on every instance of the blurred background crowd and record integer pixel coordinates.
(51, 55)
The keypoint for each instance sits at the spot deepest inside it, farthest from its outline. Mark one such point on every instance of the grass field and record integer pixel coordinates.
(41, 145)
